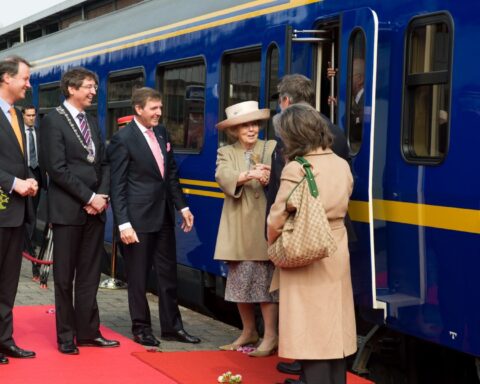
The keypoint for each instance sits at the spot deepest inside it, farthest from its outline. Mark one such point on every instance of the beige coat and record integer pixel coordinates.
(317, 318)
(241, 235)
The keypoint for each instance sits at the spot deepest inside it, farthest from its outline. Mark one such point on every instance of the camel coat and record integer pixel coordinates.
(241, 234)
(316, 316)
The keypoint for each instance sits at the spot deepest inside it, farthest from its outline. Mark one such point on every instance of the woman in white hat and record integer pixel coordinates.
(243, 170)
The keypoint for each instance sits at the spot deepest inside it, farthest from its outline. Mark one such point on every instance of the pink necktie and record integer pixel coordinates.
(155, 147)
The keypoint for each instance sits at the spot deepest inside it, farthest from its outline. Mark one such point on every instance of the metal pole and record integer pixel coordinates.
(112, 283)
(332, 85)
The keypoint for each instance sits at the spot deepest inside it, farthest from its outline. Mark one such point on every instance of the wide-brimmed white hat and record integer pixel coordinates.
(243, 113)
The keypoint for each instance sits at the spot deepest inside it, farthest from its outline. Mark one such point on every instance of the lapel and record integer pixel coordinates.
(161, 141)
(8, 131)
(141, 145)
(93, 133)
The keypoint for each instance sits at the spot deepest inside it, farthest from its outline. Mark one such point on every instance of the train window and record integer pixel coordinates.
(241, 80)
(119, 95)
(273, 80)
(183, 88)
(49, 97)
(356, 95)
(427, 89)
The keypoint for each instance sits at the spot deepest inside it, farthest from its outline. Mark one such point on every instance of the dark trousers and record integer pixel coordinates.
(30, 227)
(77, 254)
(11, 242)
(157, 249)
(324, 371)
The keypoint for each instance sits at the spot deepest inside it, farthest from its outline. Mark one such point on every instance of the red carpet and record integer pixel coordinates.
(204, 367)
(34, 328)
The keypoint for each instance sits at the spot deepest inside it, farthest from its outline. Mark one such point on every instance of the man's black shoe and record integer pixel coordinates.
(68, 348)
(293, 381)
(98, 342)
(3, 359)
(16, 352)
(293, 368)
(182, 336)
(146, 339)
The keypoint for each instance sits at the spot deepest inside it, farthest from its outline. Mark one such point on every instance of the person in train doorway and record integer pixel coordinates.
(74, 155)
(145, 193)
(16, 185)
(293, 89)
(358, 99)
(32, 136)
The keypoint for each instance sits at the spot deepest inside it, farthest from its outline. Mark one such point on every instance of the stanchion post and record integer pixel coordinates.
(112, 282)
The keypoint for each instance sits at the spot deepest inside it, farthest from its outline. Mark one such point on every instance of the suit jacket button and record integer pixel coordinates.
(257, 195)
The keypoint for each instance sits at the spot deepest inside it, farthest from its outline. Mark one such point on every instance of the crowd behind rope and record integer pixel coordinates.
(138, 176)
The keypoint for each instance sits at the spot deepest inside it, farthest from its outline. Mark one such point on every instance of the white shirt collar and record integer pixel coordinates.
(70, 108)
(359, 94)
(141, 126)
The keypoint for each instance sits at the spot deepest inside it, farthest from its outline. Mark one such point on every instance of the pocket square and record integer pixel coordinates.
(168, 147)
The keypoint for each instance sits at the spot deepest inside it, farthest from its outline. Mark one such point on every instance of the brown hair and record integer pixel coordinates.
(10, 65)
(74, 78)
(140, 96)
(302, 130)
(297, 88)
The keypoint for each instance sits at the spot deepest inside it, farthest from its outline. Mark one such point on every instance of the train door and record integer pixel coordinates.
(357, 44)
(275, 64)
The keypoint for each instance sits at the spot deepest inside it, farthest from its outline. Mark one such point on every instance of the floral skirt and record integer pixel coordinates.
(249, 282)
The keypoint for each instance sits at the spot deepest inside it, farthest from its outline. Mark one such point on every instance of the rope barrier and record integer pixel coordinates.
(35, 260)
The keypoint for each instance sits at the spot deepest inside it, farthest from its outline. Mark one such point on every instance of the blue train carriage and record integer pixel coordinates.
(406, 95)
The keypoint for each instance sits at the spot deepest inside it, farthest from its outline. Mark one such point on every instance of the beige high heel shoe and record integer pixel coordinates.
(234, 347)
(264, 352)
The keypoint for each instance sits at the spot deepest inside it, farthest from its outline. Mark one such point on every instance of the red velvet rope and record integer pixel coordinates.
(35, 260)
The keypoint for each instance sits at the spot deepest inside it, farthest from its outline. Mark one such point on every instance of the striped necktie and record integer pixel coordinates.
(84, 127)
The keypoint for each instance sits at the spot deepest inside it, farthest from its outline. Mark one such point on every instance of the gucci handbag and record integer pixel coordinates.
(306, 235)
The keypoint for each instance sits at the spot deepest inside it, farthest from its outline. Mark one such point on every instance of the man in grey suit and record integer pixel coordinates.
(16, 185)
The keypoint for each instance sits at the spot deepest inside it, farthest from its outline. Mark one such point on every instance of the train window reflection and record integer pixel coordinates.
(119, 94)
(427, 89)
(273, 80)
(356, 94)
(49, 97)
(183, 90)
(241, 81)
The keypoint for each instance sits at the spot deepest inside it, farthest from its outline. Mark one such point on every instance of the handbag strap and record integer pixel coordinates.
(312, 185)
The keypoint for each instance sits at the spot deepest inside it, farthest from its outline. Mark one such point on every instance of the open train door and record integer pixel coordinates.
(356, 116)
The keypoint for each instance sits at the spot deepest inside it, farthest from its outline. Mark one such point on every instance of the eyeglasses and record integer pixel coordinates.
(90, 87)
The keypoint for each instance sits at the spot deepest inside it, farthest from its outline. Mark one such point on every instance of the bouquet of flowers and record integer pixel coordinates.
(229, 378)
(3, 200)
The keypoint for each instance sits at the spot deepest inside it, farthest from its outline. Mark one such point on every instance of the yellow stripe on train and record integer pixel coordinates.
(434, 216)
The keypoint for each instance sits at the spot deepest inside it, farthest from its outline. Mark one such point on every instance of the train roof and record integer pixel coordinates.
(123, 23)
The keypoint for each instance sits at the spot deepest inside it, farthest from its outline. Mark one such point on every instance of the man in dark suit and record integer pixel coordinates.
(15, 186)
(294, 89)
(357, 105)
(145, 192)
(74, 156)
(29, 114)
